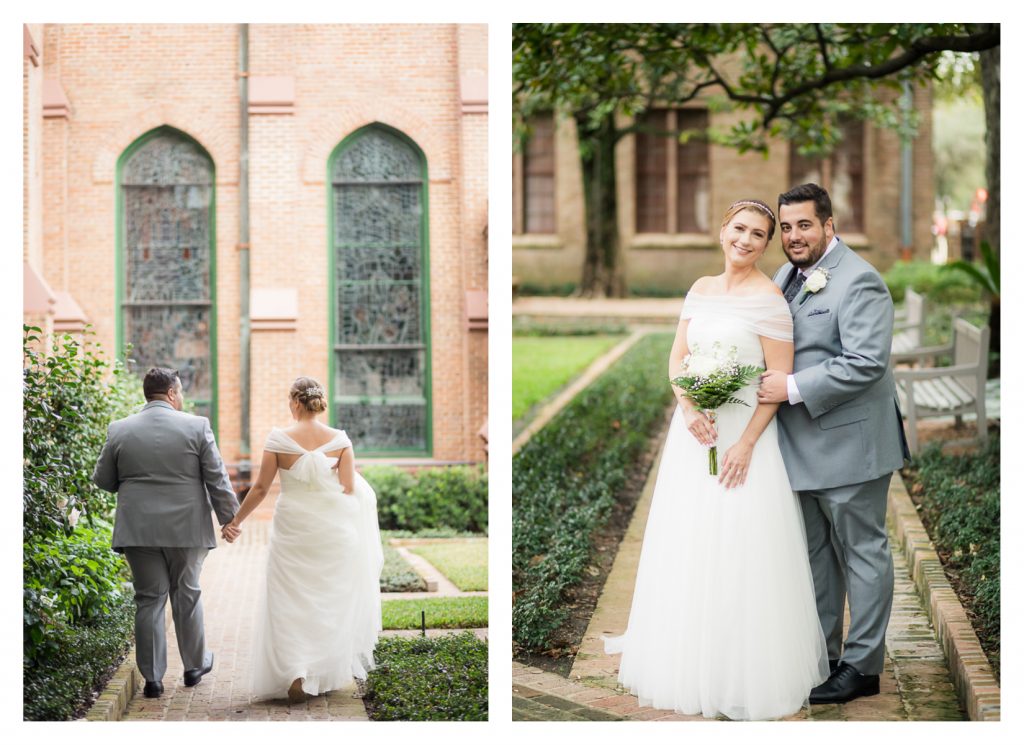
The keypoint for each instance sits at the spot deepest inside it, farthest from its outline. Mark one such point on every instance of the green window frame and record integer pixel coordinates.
(160, 279)
(379, 293)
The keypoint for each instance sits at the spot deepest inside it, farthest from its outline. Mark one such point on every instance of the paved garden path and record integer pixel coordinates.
(231, 578)
(915, 685)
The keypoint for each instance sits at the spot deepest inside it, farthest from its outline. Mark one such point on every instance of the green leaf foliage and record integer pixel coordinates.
(567, 477)
(423, 679)
(58, 684)
(453, 497)
(960, 506)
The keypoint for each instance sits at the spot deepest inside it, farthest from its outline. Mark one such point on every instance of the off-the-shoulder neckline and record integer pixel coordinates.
(339, 431)
(727, 296)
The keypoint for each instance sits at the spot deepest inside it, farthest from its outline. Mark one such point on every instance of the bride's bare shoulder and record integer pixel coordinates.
(703, 285)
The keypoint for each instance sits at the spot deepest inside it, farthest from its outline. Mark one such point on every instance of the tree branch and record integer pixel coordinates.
(823, 46)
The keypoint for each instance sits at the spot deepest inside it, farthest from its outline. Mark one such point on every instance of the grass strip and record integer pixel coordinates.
(442, 613)
(462, 562)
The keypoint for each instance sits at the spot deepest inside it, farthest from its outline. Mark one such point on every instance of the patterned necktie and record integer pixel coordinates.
(795, 283)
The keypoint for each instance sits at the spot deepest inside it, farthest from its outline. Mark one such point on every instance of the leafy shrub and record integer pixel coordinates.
(397, 575)
(454, 497)
(926, 278)
(67, 407)
(960, 498)
(566, 479)
(58, 685)
(420, 679)
(73, 579)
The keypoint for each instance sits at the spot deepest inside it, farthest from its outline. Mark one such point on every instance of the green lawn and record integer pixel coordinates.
(442, 613)
(543, 364)
(463, 562)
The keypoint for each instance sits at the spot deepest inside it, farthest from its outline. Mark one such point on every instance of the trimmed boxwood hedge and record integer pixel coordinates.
(454, 497)
(419, 679)
(566, 478)
(959, 498)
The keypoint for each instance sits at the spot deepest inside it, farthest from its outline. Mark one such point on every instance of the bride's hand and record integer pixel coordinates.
(735, 465)
(700, 426)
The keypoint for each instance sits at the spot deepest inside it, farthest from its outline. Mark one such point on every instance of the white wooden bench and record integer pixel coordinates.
(947, 391)
(908, 328)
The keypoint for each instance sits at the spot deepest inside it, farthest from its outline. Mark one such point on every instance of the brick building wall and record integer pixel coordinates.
(310, 86)
(671, 262)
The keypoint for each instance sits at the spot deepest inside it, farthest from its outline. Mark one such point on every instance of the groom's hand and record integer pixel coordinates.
(230, 532)
(773, 388)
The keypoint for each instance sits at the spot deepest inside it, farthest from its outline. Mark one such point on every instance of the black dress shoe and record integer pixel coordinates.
(832, 665)
(153, 689)
(193, 676)
(845, 684)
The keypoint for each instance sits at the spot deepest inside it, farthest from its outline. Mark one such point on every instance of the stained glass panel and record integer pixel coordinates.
(378, 237)
(175, 337)
(390, 372)
(377, 427)
(377, 155)
(167, 193)
(379, 313)
(378, 214)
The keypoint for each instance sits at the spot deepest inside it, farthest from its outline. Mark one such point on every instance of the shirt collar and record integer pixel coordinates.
(831, 244)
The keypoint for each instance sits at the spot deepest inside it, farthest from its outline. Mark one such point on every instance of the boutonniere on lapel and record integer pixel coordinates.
(815, 283)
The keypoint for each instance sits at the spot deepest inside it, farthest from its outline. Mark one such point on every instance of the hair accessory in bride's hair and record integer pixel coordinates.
(314, 391)
(756, 205)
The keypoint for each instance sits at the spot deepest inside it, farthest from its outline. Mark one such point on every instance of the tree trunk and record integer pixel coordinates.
(990, 92)
(602, 271)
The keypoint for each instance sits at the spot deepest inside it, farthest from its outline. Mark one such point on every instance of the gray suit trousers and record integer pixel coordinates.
(849, 553)
(158, 573)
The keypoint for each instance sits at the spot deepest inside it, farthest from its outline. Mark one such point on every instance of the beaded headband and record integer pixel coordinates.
(757, 205)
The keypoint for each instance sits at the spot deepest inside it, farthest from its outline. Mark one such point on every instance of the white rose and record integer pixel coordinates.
(817, 280)
(701, 365)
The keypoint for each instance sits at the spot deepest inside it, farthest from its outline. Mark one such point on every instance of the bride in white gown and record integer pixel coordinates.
(318, 618)
(723, 620)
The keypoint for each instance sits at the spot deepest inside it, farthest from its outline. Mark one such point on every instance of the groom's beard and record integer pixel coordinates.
(813, 256)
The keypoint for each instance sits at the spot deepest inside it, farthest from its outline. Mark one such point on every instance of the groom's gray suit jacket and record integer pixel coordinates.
(848, 429)
(168, 475)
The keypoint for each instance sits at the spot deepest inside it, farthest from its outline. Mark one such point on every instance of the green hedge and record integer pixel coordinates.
(454, 498)
(419, 679)
(926, 278)
(566, 479)
(77, 620)
(960, 506)
(59, 682)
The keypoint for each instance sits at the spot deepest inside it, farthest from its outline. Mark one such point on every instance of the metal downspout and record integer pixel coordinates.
(245, 467)
(906, 181)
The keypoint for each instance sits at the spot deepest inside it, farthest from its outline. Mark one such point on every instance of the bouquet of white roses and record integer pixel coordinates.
(709, 380)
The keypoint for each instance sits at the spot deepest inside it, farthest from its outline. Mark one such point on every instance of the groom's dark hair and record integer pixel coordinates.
(809, 193)
(158, 381)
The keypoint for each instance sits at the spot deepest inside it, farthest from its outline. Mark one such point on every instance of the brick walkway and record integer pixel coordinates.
(232, 575)
(915, 684)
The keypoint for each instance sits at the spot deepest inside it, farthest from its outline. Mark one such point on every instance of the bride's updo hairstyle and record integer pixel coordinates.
(754, 205)
(310, 394)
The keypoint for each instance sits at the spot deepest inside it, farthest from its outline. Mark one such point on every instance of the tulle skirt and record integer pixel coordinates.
(319, 613)
(723, 619)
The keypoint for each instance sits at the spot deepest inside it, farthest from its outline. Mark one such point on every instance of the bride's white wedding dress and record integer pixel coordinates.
(319, 615)
(723, 619)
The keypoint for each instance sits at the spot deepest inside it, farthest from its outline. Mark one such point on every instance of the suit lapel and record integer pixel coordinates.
(829, 264)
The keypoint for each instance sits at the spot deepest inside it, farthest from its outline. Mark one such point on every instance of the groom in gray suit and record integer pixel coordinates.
(841, 434)
(168, 475)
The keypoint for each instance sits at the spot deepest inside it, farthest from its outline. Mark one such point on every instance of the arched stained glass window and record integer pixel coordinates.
(167, 309)
(381, 348)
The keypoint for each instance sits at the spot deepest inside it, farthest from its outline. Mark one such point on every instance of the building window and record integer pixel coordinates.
(841, 174)
(167, 298)
(536, 203)
(673, 180)
(381, 307)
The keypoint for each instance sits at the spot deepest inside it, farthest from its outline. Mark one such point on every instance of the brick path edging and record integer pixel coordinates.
(119, 691)
(975, 683)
